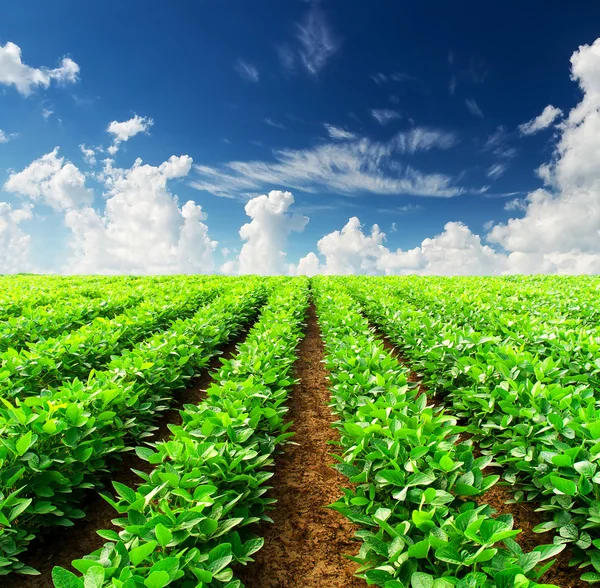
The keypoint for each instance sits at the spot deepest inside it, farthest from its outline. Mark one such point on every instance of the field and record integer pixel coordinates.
(208, 431)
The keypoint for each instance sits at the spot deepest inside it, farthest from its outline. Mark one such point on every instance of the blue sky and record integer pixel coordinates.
(423, 100)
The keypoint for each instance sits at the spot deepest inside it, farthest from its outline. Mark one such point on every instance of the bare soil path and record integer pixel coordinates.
(305, 546)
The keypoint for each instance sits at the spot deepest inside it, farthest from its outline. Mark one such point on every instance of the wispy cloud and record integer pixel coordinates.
(314, 46)
(474, 73)
(496, 170)
(541, 122)
(339, 134)
(348, 167)
(275, 124)
(380, 78)
(247, 71)
(384, 115)
(406, 209)
(473, 107)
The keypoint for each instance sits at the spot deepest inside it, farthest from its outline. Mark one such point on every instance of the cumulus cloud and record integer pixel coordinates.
(473, 107)
(13, 72)
(14, 242)
(248, 71)
(52, 181)
(89, 155)
(541, 122)
(265, 236)
(142, 229)
(350, 167)
(338, 133)
(123, 131)
(384, 115)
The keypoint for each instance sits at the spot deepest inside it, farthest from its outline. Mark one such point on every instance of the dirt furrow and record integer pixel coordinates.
(64, 544)
(305, 546)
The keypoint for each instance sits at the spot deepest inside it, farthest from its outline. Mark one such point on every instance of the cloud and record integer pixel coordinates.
(349, 167)
(380, 78)
(142, 229)
(473, 107)
(543, 121)
(247, 71)
(5, 138)
(339, 134)
(314, 46)
(384, 115)
(455, 251)
(26, 79)
(496, 170)
(14, 242)
(123, 131)
(52, 181)
(265, 236)
(475, 73)
(47, 113)
(274, 124)
(89, 155)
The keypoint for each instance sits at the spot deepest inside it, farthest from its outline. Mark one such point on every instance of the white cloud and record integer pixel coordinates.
(349, 167)
(496, 170)
(52, 181)
(247, 71)
(123, 131)
(473, 107)
(142, 229)
(25, 78)
(47, 113)
(384, 115)
(338, 133)
(317, 43)
(543, 121)
(266, 235)
(14, 242)
(514, 204)
(456, 251)
(561, 224)
(269, 121)
(5, 138)
(89, 155)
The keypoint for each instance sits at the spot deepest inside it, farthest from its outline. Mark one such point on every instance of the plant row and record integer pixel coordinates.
(523, 407)
(413, 482)
(55, 446)
(186, 524)
(75, 353)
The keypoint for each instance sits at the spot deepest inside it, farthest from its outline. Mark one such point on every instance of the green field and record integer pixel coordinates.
(462, 412)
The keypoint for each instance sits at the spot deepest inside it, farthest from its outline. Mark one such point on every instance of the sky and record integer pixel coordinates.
(300, 137)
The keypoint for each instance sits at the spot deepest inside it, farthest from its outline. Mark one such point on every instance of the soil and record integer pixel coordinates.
(63, 544)
(305, 546)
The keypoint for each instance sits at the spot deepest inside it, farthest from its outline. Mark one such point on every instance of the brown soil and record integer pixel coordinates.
(62, 545)
(305, 546)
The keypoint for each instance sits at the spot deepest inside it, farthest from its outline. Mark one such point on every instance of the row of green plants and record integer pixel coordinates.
(55, 446)
(413, 481)
(38, 322)
(187, 523)
(74, 354)
(525, 404)
(19, 293)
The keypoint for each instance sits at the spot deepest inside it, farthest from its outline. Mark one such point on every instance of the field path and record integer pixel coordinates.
(305, 546)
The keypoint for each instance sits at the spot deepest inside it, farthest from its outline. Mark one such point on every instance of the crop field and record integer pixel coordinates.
(220, 432)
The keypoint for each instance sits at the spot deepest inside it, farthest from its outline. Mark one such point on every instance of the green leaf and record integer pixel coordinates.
(421, 580)
(563, 486)
(139, 554)
(163, 535)
(446, 463)
(64, 579)
(94, 577)
(157, 580)
(24, 443)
